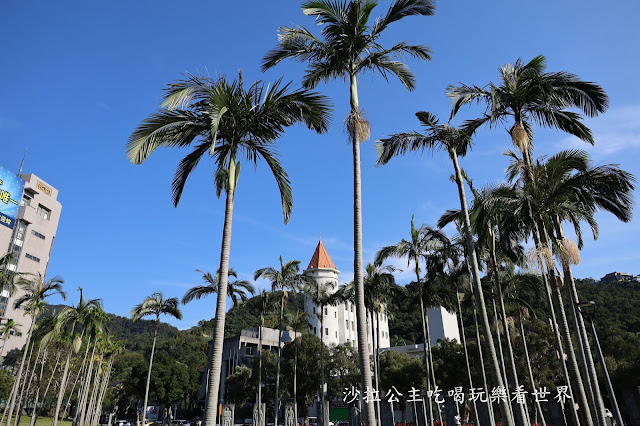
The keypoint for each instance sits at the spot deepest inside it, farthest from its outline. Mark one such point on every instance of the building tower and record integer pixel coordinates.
(27, 234)
(340, 320)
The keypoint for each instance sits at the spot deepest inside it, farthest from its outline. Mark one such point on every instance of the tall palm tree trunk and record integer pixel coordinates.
(376, 363)
(323, 385)
(361, 313)
(466, 355)
(260, 414)
(277, 407)
(583, 339)
(480, 354)
(554, 322)
(24, 395)
(530, 370)
(211, 403)
(425, 337)
(505, 408)
(566, 336)
(53, 373)
(12, 399)
(373, 351)
(146, 390)
(521, 407)
(432, 370)
(499, 340)
(82, 399)
(295, 380)
(94, 392)
(81, 371)
(105, 382)
(63, 381)
(540, 240)
(37, 396)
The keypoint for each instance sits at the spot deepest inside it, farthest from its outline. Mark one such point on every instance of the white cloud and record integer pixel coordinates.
(615, 131)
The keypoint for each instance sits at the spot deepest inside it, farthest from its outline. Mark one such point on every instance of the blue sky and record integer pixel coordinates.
(79, 76)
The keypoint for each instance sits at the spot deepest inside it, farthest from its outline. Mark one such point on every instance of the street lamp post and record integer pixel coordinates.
(588, 310)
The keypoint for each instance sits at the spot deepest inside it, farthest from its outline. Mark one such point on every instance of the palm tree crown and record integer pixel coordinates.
(156, 305)
(237, 290)
(530, 95)
(350, 44)
(227, 121)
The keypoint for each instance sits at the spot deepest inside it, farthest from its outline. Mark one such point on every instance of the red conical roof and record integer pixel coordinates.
(321, 259)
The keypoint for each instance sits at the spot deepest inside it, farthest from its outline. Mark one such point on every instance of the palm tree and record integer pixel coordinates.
(266, 306)
(8, 329)
(237, 290)
(348, 47)
(287, 278)
(380, 290)
(530, 95)
(9, 279)
(322, 293)
(298, 322)
(455, 142)
(570, 188)
(226, 122)
(74, 321)
(497, 245)
(154, 305)
(34, 294)
(566, 188)
(422, 240)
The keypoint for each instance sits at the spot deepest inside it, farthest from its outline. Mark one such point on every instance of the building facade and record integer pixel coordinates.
(339, 322)
(30, 242)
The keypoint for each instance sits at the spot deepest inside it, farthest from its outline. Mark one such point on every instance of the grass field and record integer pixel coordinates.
(42, 421)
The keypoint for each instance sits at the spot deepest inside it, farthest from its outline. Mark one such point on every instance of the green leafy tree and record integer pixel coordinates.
(307, 346)
(226, 122)
(154, 306)
(402, 372)
(239, 387)
(349, 46)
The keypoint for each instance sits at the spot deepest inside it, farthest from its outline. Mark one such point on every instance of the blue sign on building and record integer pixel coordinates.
(11, 187)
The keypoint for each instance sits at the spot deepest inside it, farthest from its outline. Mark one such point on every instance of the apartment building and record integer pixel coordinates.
(29, 217)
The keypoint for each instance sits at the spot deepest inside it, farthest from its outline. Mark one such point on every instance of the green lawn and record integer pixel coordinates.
(42, 421)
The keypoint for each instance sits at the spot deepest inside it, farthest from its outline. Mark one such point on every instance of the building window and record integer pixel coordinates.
(352, 328)
(335, 314)
(347, 325)
(326, 311)
(28, 256)
(336, 334)
(26, 200)
(326, 331)
(37, 234)
(43, 212)
(351, 306)
(248, 350)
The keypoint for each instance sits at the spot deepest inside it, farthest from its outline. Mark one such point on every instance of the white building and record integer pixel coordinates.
(340, 325)
(30, 240)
